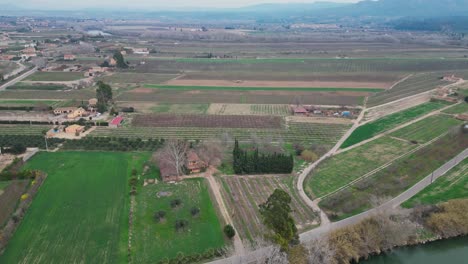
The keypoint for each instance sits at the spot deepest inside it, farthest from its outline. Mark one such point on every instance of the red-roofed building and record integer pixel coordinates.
(299, 110)
(116, 122)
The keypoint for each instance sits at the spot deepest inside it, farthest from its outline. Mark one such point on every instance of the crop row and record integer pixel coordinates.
(297, 132)
(415, 84)
(244, 194)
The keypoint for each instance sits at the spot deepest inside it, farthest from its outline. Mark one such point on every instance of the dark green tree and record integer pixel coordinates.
(119, 58)
(229, 231)
(276, 215)
(104, 96)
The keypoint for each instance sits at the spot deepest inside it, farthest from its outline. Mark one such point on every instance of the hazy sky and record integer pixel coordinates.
(153, 4)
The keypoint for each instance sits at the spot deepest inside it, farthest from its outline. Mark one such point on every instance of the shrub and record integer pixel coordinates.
(229, 231)
(176, 203)
(308, 155)
(159, 216)
(181, 225)
(195, 211)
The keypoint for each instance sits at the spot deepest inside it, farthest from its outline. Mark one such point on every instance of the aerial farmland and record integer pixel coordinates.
(164, 139)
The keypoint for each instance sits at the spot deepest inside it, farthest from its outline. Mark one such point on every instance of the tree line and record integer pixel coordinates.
(256, 163)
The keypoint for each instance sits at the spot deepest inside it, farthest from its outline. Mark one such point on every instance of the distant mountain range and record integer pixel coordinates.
(286, 12)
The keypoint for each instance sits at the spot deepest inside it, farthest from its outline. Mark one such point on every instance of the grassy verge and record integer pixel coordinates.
(383, 124)
(453, 185)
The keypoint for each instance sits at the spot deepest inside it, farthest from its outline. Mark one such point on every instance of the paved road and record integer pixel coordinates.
(391, 204)
(17, 79)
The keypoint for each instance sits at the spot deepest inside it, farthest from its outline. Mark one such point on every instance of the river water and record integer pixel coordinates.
(451, 251)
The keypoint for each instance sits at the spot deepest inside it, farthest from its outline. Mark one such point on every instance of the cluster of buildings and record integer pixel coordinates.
(77, 112)
(311, 110)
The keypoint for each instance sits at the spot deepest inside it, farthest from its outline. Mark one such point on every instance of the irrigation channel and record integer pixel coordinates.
(453, 251)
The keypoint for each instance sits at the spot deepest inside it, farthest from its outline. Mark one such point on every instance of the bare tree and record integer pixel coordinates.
(267, 253)
(173, 154)
(320, 251)
(211, 152)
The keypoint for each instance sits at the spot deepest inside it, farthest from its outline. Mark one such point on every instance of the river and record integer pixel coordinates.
(450, 251)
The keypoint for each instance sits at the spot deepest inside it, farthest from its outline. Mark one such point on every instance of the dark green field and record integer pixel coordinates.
(80, 214)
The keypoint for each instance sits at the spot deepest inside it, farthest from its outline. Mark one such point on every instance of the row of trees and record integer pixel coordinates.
(256, 163)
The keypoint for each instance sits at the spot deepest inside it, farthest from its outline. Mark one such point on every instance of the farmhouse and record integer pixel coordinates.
(299, 110)
(194, 164)
(64, 110)
(142, 51)
(74, 129)
(79, 112)
(116, 122)
(168, 172)
(450, 78)
(69, 57)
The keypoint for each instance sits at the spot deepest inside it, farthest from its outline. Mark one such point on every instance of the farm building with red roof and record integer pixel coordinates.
(116, 122)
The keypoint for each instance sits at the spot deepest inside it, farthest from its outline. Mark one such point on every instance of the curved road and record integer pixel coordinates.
(389, 205)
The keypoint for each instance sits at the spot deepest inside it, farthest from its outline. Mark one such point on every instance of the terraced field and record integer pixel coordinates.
(395, 178)
(327, 134)
(348, 166)
(427, 129)
(244, 194)
(383, 124)
(457, 109)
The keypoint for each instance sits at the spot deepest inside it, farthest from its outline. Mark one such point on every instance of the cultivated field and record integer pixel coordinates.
(348, 166)
(457, 109)
(244, 194)
(10, 193)
(417, 83)
(23, 129)
(153, 241)
(241, 97)
(427, 129)
(212, 121)
(48, 95)
(249, 109)
(453, 185)
(55, 76)
(29, 102)
(394, 179)
(133, 77)
(179, 108)
(326, 134)
(273, 84)
(386, 123)
(80, 214)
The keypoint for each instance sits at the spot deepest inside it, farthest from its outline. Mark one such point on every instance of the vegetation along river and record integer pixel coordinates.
(453, 251)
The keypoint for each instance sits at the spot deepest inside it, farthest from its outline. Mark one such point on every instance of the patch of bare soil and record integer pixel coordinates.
(292, 84)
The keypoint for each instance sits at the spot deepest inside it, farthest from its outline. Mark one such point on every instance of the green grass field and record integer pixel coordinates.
(232, 88)
(427, 129)
(383, 124)
(55, 76)
(457, 109)
(154, 241)
(80, 214)
(3, 185)
(345, 167)
(181, 108)
(133, 77)
(453, 185)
